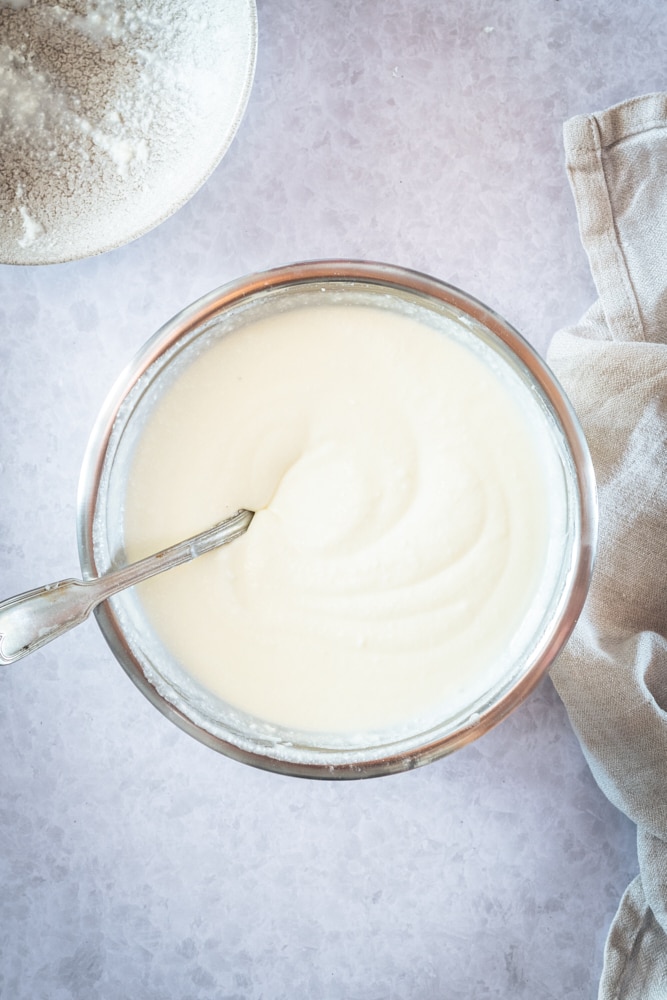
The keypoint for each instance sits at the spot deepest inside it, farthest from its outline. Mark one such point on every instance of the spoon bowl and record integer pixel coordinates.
(30, 620)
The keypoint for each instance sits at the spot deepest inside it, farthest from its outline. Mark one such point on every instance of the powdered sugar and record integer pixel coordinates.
(112, 113)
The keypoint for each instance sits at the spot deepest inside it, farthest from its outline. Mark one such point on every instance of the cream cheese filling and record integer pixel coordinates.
(407, 500)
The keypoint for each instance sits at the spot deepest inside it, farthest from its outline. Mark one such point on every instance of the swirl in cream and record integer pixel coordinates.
(405, 503)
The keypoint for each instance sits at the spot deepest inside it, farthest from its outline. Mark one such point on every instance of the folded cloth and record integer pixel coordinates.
(612, 675)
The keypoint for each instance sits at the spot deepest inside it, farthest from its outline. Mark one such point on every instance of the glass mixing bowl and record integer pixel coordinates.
(104, 480)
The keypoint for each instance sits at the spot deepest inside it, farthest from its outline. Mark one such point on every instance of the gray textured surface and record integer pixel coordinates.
(135, 862)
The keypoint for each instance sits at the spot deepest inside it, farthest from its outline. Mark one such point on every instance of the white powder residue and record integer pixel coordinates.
(32, 229)
(112, 112)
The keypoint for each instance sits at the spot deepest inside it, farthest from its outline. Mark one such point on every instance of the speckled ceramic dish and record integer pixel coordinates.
(104, 484)
(113, 115)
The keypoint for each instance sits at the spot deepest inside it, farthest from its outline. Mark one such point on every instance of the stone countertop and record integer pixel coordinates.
(135, 862)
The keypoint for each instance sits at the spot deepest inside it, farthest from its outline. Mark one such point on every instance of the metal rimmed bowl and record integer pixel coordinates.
(114, 115)
(104, 481)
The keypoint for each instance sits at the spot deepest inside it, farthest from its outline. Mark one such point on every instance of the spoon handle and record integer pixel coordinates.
(33, 618)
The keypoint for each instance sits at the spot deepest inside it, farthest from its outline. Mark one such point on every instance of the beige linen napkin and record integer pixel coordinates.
(612, 676)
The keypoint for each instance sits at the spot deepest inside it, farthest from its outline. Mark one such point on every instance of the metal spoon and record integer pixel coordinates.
(32, 619)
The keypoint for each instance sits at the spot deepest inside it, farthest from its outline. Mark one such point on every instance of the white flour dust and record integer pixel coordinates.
(111, 114)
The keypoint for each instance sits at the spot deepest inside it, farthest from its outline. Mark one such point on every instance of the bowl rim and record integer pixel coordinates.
(396, 278)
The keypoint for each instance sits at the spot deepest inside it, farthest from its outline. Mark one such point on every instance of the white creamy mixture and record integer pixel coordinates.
(404, 497)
